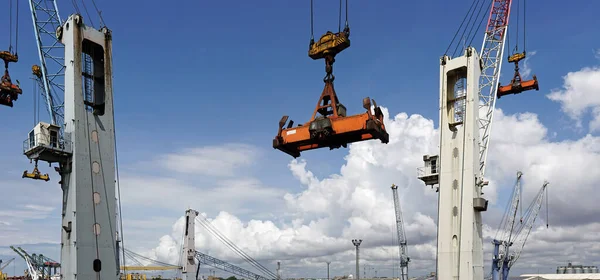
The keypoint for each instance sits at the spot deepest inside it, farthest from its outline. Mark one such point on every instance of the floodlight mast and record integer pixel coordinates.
(356, 243)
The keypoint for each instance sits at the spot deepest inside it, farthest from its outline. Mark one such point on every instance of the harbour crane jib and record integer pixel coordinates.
(332, 127)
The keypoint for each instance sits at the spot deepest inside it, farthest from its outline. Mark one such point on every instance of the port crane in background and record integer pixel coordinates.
(191, 259)
(513, 232)
(329, 125)
(3, 266)
(39, 266)
(80, 138)
(9, 91)
(402, 246)
(468, 90)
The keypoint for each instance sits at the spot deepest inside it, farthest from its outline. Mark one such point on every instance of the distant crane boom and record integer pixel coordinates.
(404, 259)
(5, 264)
(513, 234)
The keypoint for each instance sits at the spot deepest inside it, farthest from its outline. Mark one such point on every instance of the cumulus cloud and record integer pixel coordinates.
(306, 227)
(356, 202)
(579, 94)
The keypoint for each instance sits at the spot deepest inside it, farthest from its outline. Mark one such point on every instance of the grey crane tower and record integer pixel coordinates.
(460, 248)
(402, 246)
(87, 157)
(189, 246)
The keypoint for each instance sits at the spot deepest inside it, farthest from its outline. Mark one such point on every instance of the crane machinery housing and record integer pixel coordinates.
(332, 127)
(402, 245)
(80, 139)
(468, 89)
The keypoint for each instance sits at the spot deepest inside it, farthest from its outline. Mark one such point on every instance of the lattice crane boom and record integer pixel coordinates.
(404, 259)
(526, 225)
(503, 238)
(50, 74)
(492, 52)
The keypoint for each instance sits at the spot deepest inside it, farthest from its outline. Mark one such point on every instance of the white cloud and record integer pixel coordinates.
(211, 160)
(579, 94)
(304, 228)
(356, 202)
(526, 67)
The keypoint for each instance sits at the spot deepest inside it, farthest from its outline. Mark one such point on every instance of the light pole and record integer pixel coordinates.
(356, 243)
(328, 270)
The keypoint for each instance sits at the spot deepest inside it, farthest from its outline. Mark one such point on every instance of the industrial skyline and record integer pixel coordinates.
(322, 199)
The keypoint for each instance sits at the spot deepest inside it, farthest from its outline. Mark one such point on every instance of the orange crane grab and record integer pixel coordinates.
(517, 85)
(9, 92)
(331, 128)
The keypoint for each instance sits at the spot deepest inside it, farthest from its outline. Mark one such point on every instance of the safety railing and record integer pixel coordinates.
(43, 140)
(425, 171)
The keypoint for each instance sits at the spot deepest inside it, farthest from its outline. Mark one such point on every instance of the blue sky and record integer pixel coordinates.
(204, 73)
(177, 65)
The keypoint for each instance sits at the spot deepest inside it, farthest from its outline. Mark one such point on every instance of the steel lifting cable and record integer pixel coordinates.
(10, 26)
(233, 247)
(312, 37)
(346, 13)
(17, 30)
(102, 23)
(524, 20)
(517, 31)
(340, 18)
(480, 21)
(459, 27)
(462, 36)
(87, 13)
(312, 27)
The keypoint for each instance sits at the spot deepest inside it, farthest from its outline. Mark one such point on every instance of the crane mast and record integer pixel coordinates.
(468, 87)
(404, 259)
(82, 142)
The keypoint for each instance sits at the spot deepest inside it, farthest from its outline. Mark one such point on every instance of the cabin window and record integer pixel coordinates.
(53, 139)
(456, 92)
(92, 75)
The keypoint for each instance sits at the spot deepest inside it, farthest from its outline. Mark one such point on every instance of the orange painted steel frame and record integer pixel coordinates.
(518, 88)
(516, 85)
(339, 131)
